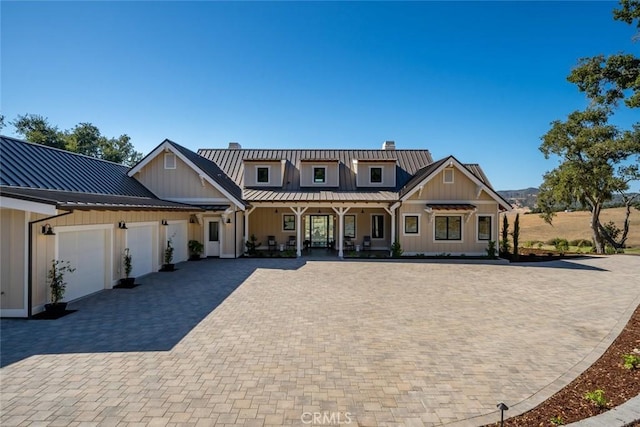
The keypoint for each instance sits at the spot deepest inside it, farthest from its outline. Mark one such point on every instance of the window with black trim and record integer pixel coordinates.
(411, 224)
(350, 226)
(319, 175)
(375, 175)
(377, 226)
(448, 228)
(262, 174)
(288, 222)
(484, 228)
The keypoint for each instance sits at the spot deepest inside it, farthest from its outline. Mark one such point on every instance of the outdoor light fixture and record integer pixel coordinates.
(47, 230)
(164, 222)
(228, 220)
(122, 225)
(276, 210)
(362, 211)
(502, 408)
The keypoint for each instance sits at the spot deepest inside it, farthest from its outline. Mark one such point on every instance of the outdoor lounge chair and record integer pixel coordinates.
(366, 243)
(271, 243)
(348, 244)
(291, 243)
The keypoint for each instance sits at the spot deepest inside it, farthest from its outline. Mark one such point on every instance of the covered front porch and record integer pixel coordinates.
(334, 228)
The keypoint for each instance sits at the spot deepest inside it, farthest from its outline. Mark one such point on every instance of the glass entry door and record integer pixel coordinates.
(319, 230)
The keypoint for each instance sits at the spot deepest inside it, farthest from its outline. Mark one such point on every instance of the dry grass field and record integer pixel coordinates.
(573, 225)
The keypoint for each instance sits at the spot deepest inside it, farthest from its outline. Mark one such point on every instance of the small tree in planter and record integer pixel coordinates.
(168, 258)
(252, 245)
(396, 250)
(127, 262)
(195, 250)
(516, 236)
(57, 285)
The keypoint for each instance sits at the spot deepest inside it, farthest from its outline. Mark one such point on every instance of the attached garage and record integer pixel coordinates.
(141, 241)
(88, 249)
(178, 233)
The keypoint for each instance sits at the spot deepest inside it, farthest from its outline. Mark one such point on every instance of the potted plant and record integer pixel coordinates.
(168, 258)
(127, 261)
(195, 250)
(252, 245)
(58, 286)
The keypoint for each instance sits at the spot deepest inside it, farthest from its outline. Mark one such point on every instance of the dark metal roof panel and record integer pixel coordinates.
(78, 200)
(254, 195)
(29, 165)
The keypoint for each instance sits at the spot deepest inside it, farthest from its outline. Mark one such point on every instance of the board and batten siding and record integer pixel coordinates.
(462, 189)
(331, 175)
(179, 183)
(363, 174)
(13, 232)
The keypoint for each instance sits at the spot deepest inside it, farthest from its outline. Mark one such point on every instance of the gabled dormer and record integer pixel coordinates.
(263, 172)
(375, 172)
(319, 173)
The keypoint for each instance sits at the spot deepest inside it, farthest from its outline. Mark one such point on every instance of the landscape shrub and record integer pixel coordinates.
(631, 361)
(562, 245)
(597, 398)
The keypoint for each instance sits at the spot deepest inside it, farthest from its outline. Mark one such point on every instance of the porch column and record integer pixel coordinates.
(246, 225)
(298, 211)
(340, 211)
(392, 212)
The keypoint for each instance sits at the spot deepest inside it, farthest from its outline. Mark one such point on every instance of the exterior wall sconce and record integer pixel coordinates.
(47, 230)
(193, 220)
(164, 222)
(362, 211)
(276, 210)
(122, 225)
(228, 220)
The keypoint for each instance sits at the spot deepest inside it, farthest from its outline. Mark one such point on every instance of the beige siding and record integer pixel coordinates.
(44, 246)
(12, 247)
(181, 182)
(425, 242)
(251, 174)
(462, 189)
(306, 174)
(388, 174)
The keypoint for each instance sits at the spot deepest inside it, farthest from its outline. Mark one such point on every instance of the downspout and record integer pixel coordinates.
(30, 261)
(235, 234)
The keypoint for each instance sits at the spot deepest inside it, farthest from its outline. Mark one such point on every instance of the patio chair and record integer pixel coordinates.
(349, 245)
(271, 243)
(291, 243)
(366, 243)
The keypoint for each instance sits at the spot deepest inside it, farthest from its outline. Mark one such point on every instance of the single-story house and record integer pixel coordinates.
(60, 205)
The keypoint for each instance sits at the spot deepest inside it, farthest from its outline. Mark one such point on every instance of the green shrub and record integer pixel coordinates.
(561, 245)
(491, 249)
(631, 361)
(557, 421)
(597, 397)
(396, 249)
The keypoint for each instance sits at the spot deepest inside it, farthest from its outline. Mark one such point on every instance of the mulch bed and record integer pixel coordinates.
(47, 315)
(607, 374)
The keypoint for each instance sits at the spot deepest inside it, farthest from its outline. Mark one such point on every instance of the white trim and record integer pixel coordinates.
(444, 175)
(166, 145)
(448, 163)
(478, 215)
(167, 165)
(448, 241)
(67, 228)
(155, 229)
(27, 205)
(268, 167)
(381, 175)
(205, 235)
(404, 225)
(371, 227)
(313, 174)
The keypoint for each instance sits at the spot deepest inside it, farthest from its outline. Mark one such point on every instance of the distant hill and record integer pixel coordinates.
(525, 198)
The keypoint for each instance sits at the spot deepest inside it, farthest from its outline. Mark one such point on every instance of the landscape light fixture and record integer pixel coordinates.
(122, 225)
(502, 408)
(47, 230)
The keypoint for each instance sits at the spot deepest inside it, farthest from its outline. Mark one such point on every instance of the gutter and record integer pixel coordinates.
(30, 261)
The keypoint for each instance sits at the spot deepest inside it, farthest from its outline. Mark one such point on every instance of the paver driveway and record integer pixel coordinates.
(295, 341)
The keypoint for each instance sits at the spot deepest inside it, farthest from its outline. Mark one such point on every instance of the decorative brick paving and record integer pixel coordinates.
(297, 341)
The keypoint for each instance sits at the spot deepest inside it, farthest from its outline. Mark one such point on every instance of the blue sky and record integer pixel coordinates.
(479, 80)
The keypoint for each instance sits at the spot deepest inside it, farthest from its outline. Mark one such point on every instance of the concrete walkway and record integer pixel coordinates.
(300, 342)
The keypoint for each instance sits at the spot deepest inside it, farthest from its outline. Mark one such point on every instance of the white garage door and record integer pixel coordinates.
(140, 244)
(178, 234)
(86, 250)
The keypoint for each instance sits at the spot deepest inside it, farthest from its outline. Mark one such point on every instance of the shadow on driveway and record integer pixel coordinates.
(154, 316)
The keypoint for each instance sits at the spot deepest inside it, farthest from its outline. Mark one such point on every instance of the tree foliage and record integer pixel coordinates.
(84, 138)
(596, 158)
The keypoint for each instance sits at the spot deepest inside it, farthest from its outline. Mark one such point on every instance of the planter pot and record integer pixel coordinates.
(128, 282)
(58, 308)
(194, 258)
(168, 267)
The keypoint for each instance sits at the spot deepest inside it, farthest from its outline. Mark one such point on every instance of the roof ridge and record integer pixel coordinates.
(315, 149)
(35, 144)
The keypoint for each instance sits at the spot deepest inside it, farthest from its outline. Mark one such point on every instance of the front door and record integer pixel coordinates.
(213, 238)
(319, 230)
